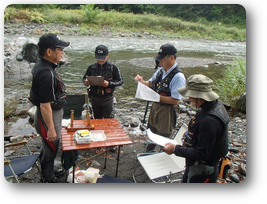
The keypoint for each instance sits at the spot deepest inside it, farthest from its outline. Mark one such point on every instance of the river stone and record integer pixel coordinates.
(17, 138)
(234, 149)
(242, 170)
(32, 111)
(234, 178)
(241, 103)
(19, 57)
(134, 124)
(30, 52)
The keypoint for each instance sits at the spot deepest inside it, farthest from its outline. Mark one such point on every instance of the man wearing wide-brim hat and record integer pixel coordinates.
(207, 138)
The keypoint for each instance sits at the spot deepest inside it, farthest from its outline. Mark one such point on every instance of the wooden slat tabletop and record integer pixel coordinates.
(116, 136)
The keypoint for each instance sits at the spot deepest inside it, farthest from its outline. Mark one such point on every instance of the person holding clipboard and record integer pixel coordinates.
(101, 78)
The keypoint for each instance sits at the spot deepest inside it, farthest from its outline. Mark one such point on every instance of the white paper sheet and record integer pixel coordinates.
(159, 140)
(145, 93)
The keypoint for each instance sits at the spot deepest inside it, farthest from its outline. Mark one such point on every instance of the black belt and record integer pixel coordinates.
(210, 163)
(101, 98)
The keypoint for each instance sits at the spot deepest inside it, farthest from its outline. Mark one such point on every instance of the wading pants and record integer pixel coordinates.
(162, 119)
(49, 150)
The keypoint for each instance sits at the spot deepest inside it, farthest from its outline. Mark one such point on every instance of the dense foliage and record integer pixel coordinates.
(230, 14)
(233, 83)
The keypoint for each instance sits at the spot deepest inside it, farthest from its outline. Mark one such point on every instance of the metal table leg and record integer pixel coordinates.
(73, 165)
(118, 159)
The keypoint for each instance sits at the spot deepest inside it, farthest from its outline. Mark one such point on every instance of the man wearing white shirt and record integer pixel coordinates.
(165, 81)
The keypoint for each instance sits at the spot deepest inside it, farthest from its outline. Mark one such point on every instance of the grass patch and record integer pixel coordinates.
(156, 25)
(233, 82)
(24, 15)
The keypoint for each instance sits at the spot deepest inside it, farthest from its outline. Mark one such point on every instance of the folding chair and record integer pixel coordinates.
(160, 167)
(78, 103)
(15, 166)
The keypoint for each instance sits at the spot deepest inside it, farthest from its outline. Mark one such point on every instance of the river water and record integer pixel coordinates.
(132, 56)
(135, 56)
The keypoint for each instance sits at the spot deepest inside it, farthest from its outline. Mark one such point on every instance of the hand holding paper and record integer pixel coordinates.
(95, 80)
(159, 140)
(169, 148)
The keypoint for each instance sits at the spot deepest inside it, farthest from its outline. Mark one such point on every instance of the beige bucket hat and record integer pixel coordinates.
(198, 86)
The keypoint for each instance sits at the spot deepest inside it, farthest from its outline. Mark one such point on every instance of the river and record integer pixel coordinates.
(132, 56)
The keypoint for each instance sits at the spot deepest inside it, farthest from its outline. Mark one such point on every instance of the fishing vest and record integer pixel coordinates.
(162, 87)
(58, 88)
(105, 71)
(221, 145)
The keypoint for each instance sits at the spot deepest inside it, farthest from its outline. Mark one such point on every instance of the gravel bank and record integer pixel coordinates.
(95, 158)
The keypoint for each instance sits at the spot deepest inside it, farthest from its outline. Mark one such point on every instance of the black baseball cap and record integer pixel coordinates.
(101, 52)
(51, 40)
(164, 50)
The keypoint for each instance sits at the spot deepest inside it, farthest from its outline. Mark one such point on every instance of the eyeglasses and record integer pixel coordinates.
(60, 48)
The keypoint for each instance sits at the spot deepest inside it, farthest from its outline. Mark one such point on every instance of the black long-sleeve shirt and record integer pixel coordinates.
(205, 137)
(110, 72)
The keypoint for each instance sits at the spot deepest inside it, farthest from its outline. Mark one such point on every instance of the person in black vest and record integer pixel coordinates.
(207, 138)
(102, 95)
(165, 81)
(48, 93)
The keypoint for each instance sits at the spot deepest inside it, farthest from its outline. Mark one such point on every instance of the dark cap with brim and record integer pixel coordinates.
(165, 50)
(101, 52)
(51, 40)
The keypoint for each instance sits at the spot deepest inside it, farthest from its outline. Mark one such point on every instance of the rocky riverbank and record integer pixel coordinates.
(19, 28)
(237, 127)
(136, 132)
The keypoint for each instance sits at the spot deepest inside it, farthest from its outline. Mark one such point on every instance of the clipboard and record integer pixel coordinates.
(95, 80)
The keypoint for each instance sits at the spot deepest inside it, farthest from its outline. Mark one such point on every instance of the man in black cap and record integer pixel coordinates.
(165, 81)
(102, 94)
(48, 94)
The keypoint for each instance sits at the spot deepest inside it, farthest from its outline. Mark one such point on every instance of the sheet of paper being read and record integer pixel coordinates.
(158, 139)
(145, 93)
(95, 80)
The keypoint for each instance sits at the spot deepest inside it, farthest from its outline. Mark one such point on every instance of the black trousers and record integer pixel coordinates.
(212, 178)
(102, 108)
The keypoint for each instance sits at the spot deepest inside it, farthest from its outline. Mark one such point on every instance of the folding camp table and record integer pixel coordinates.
(116, 136)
